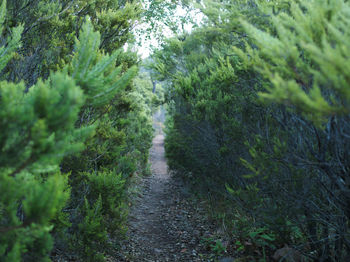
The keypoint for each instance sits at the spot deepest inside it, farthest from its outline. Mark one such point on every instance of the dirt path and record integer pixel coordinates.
(163, 224)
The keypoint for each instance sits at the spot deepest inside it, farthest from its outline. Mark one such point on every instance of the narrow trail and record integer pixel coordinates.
(164, 225)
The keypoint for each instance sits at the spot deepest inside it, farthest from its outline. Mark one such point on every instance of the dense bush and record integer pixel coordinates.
(74, 128)
(277, 172)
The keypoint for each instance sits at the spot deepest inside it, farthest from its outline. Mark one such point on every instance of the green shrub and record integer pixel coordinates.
(281, 165)
(38, 131)
(91, 237)
(72, 133)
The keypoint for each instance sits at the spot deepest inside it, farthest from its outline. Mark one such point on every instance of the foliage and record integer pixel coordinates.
(38, 131)
(50, 28)
(7, 51)
(119, 146)
(73, 131)
(215, 246)
(281, 166)
(161, 18)
(306, 60)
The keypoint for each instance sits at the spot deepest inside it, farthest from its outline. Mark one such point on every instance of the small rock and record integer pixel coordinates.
(227, 259)
(157, 250)
(196, 233)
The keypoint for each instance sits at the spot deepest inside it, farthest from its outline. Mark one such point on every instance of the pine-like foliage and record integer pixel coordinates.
(95, 72)
(38, 130)
(307, 59)
(12, 43)
(71, 137)
(50, 28)
(276, 173)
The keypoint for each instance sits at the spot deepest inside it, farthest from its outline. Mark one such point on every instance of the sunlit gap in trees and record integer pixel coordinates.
(171, 19)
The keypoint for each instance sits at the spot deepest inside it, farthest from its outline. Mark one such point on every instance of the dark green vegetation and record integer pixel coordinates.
(258, 99)
(74, 128)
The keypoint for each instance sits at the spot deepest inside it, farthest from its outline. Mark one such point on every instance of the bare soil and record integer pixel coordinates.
(165, 224)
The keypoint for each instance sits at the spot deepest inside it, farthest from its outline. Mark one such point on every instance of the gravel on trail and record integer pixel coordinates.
(165, 224)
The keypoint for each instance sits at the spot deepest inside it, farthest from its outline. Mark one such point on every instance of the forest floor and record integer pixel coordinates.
(165, 222)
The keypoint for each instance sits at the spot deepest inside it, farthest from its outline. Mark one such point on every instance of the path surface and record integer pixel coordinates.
(163, 224)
